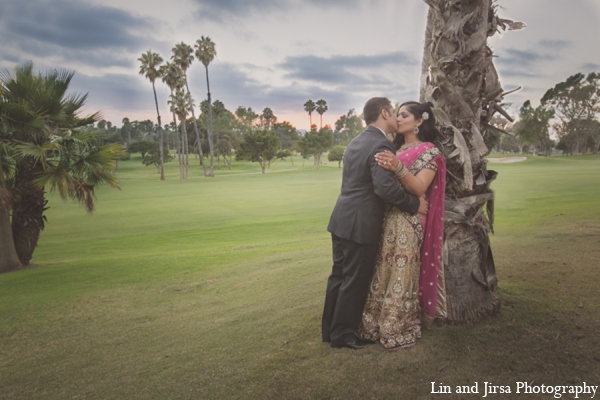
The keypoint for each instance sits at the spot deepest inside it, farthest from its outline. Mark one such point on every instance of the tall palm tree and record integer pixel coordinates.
(309, 107)
(267, 118)
(459, 78)
(183, 56)
(321, 108)
(150, 64)
(42, 147)
(173, 77)
(206, 52)
(181, 105)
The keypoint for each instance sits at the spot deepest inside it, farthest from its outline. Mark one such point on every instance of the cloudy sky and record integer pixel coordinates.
(279, 53)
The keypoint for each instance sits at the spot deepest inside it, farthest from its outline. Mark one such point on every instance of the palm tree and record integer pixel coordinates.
(42, 147)
(183, 56)
(321, 108)
(180, 105)
(309, 107)
(150, 64)
(459, 78)
(173, 77)
(127, 128)
(267, 118)
(206, 52)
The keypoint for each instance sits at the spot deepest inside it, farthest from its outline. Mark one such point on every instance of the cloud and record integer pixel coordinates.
(526, 63)
(554, 44)
(85, 33)
(337, 69)
(73, 24)
(220, 9)
(115, 92)
(591, 67)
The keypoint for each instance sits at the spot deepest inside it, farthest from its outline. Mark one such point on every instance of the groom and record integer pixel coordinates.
(356, 224)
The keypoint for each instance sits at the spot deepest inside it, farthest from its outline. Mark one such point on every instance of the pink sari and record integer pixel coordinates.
(415, 159)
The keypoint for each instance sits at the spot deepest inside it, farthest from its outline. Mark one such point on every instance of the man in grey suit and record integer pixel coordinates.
(356, 224)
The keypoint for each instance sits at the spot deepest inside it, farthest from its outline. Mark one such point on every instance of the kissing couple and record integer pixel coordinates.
(387, 231)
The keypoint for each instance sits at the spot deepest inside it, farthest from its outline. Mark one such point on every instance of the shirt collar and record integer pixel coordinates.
(380, 130)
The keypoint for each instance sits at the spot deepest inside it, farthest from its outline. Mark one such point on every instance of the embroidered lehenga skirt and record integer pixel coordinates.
(391, 313)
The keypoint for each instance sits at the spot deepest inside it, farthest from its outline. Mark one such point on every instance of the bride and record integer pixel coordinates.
(407, 287)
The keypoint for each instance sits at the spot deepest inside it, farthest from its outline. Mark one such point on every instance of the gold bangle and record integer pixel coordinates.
(400, 170)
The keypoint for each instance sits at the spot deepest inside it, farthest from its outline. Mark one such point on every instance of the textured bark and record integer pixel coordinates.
(459, 78)
(9, 259)
(28, 219)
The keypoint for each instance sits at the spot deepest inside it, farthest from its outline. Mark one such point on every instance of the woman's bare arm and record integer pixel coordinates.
(414, 184)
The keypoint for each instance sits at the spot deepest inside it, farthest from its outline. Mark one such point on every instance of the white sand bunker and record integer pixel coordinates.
(506, 160)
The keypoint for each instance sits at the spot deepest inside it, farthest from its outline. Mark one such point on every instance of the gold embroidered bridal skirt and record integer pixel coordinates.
(391, 313)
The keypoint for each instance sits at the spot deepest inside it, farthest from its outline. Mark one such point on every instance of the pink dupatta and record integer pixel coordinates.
(415, 159)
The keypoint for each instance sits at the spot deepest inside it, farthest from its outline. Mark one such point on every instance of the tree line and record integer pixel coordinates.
(46, 147)
(568, 111)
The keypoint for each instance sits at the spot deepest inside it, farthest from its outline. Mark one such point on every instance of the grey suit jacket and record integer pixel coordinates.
(366, 188)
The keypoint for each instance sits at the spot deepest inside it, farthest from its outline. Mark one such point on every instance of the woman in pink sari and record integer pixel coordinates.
(408, 284)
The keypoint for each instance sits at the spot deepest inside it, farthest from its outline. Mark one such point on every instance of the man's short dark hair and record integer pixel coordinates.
(373, 108)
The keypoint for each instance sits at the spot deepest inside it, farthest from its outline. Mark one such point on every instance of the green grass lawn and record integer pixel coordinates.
(212, 288)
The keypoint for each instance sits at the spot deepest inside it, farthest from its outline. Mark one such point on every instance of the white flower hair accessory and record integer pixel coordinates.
(425, 115)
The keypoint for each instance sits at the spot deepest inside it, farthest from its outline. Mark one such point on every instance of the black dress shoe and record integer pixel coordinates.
(353, 343)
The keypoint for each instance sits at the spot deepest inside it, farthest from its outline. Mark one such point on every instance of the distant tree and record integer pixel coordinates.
(223, 124)
(513, 143)
(309, 107)
(576, 103)
(206, 52)
(336, 154)
(315, 143)
(321, 108)
(183, 56)
(150, 65)
(594, 132)
(172, 76)
(245, 119)
(267, 118)
(180, 105)
(225, 148)
(259, 146)
(141, 146)
(287, 133)
(347, 127)
(498, 128)
(283, 154)
(153, 158)
(126, 129)
(534, 127)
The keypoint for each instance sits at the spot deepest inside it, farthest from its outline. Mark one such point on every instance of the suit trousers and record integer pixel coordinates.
(347, 288)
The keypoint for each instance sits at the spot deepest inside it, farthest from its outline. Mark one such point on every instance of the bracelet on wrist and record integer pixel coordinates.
(400, 170)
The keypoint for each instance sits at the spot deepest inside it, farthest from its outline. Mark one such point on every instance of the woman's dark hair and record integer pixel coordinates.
(427, 131)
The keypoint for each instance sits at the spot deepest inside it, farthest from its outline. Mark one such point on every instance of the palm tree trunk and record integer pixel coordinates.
(160, 134)
(196, 129)
(9, 260)
(210, 138)
(28, 208)
(176, 137)
(459, 78)
(186, 152)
